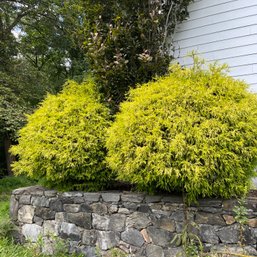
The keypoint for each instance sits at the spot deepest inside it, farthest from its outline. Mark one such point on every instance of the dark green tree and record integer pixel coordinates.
(126, 41)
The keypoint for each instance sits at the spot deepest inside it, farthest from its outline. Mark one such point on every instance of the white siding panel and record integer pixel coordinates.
(220, 45)
(198, 5)
(224, 31)
(227, 6)
(232, 62)
(218, 18)
(227, 53)
(243, 70)
(215, 37)
(250, 79)
(253, 88)
(214, 28)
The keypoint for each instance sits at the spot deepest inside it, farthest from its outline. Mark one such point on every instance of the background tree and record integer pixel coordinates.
(37, 61)
(122, 42)
(125, 41)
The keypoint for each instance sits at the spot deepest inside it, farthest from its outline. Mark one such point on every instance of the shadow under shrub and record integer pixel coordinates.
(193, 131)
(63, 142)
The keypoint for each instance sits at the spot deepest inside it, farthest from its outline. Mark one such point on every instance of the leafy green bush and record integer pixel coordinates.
(193, 131)
(63, 142)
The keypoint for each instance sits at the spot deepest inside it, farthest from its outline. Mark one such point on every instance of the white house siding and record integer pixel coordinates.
(224, 31)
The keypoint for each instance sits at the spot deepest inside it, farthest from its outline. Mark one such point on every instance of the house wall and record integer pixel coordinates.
(223, 30)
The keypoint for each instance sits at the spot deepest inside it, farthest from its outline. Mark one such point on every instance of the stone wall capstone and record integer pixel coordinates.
(137, 224)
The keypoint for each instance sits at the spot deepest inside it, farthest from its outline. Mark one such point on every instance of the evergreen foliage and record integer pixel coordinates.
(193, 131)
(63, 141)
(125, 41)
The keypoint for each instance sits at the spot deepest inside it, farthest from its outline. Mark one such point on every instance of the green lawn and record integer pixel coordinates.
(7, 247)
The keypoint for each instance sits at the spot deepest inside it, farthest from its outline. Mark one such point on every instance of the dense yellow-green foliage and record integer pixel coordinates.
(64, 140)
(193, 131)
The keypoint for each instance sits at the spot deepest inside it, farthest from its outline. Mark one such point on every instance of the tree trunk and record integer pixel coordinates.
(9, 158)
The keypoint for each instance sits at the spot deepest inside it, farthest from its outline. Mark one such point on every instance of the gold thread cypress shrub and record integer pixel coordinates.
(192, 131)
(63, 142)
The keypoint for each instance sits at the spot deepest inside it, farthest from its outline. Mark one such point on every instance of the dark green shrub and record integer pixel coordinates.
(63, 142)
(193, 131)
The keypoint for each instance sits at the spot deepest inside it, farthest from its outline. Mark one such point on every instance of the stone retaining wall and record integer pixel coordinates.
(138, 224)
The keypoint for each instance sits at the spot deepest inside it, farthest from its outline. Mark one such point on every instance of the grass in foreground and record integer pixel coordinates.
(7, 247)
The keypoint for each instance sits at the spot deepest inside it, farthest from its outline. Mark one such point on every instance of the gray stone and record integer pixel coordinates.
(159, 236)
(236, 249)
(229, 205)
(209, 203)
(37, 220)
(166, 224)
(229, 234)
(208, 234)
(210, 209)
(100, 222)
(111, 197)
(92, 197)
(174, 252)
(14, 207)
(99, 208)
(71, 207)
(48, 246)
(248, 238)
(131, 206)
(50, 228)
(89, 251)
(250, 250)
(72, 194)
(71, 231)
(144, 208)
(79, 200)
(73, 246)
(31, 232)
(131, 197)
(154, 251)
(45, 213)
(89, 237)
(138, 220)
(40, 201)
(107, 239)
(172, 199)
(155, 206)
(209, 218)
(80, 219)
(171, 207)
(32, 190)
(160, 212)
(153, 198)
(123, 211)
(84, 207)
(178, 216)
(179, 226)
(113, 209)
(50, 193)
(56, 205)
(132, 237)
(137, 251)
(26, 214)
(117, 222)
(66, 200)
(60, 217)
(25, 199)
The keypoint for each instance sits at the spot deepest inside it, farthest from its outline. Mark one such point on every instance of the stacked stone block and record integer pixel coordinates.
(137, 224)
